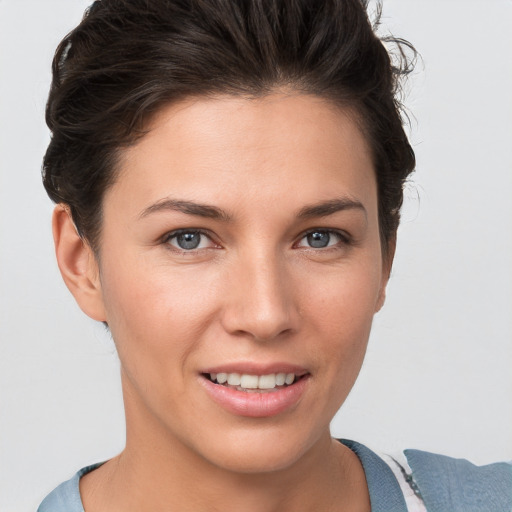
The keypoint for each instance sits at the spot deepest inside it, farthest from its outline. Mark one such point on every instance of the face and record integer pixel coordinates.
(241, 242)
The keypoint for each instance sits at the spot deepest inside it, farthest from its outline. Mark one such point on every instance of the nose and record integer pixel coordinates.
(259, 301)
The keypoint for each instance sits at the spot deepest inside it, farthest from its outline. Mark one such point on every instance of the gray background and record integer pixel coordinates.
(437, 375)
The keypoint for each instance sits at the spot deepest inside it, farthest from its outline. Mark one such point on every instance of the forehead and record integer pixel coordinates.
(267, 149)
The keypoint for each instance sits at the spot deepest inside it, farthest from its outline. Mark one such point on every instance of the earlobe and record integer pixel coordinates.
(387, 263)
(77, 264)
(381, 298)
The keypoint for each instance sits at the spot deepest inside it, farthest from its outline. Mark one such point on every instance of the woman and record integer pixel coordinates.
(228, 179)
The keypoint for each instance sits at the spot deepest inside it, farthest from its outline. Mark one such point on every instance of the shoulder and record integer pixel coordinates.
(66, 497)
(458, 485)
(436, 483)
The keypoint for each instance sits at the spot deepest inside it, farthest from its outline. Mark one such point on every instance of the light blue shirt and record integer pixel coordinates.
(446, 484)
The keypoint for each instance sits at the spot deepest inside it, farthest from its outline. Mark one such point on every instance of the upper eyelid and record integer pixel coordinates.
(166, 238)
(341, 232)
(345, 240)
(173, 233)
(327, 230)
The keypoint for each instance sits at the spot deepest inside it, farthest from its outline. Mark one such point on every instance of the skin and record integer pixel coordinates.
(254, 291)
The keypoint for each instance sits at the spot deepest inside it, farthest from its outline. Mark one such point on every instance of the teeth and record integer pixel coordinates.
(280, 379)
(267, 381)
(234, 379)
(247, 381)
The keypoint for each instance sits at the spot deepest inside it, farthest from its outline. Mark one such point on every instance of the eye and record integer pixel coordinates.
(321, 238)
(189, 240)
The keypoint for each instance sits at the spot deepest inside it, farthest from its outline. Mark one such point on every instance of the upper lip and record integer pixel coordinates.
(254, 368)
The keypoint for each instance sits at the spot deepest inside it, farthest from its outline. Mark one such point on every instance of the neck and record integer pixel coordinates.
(157, 472)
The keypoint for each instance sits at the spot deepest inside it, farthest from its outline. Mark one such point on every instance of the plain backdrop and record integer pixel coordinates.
(438, 371)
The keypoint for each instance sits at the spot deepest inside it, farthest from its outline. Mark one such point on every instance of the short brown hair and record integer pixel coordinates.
(127, 58)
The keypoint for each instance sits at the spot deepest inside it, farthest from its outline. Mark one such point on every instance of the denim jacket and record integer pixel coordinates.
(444, 483)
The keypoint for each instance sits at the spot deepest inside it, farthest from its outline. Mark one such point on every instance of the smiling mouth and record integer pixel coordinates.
(254, 383)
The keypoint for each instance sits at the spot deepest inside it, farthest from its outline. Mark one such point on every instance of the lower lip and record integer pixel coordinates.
(254, 404)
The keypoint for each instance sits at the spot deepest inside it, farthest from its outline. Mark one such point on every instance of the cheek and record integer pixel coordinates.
(153, 310)
(340, 315)
(154, 324)
(345, 299)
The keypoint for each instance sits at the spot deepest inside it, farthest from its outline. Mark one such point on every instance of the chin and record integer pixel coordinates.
(256, 460)
(258, 450)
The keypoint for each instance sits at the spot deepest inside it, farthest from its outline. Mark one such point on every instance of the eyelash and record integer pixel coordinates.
(174, 234)
(344, 238)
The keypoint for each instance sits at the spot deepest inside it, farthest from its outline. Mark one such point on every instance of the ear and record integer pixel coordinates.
(77, 264)
(387, 262)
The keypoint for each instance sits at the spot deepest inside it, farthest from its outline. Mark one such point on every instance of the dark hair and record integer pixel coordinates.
(127, 58)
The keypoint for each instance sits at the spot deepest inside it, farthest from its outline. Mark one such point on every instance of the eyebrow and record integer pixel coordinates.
(187, 207)
(330, 207)
(322, 209)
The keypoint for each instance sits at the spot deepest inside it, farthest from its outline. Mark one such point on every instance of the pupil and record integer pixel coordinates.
(319, 239)
(188, 240)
